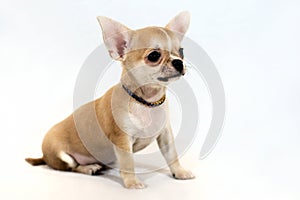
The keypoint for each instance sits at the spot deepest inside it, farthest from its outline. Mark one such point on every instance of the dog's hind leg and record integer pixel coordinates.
(91, 169)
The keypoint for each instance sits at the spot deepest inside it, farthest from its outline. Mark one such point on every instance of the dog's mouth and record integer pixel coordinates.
(166, 79)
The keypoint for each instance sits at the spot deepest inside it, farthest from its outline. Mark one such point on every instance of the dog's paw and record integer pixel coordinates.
(183, 174)
(94, 169)
(134, 184)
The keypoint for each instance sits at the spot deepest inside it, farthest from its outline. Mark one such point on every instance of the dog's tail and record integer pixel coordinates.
(35, 161)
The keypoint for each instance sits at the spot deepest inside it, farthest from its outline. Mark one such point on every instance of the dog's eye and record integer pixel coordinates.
(181, 53)
(154, 56)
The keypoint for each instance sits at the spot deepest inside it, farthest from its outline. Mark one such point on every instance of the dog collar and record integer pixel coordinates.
(143, 101)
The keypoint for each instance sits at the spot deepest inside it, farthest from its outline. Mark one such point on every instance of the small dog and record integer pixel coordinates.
(151, 58)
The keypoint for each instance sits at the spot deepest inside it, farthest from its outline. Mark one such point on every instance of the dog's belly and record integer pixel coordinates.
(84, 160)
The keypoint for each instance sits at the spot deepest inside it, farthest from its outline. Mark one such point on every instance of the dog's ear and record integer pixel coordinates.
(116, 37)
(180, 24)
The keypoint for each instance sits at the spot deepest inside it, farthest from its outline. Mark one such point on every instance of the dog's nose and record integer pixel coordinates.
(178, 65)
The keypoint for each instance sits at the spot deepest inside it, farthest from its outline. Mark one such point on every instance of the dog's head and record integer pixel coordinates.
(148, 55)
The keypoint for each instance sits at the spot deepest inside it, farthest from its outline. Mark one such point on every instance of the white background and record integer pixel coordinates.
(255, 46)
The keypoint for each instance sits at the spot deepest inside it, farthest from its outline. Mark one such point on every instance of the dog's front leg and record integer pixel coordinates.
(126, 164)
(167, 147)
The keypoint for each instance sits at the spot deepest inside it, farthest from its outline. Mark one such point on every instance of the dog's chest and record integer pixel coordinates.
(147, 121)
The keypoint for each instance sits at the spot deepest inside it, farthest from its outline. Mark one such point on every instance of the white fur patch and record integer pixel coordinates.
(68, 159)
(145, 122)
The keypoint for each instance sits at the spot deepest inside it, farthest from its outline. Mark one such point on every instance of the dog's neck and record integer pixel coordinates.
(150, 92)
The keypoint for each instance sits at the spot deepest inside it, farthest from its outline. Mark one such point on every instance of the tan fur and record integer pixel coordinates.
(62, 144)
(35, 161)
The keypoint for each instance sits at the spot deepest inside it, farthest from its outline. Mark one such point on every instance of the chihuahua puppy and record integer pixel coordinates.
(132, 113)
